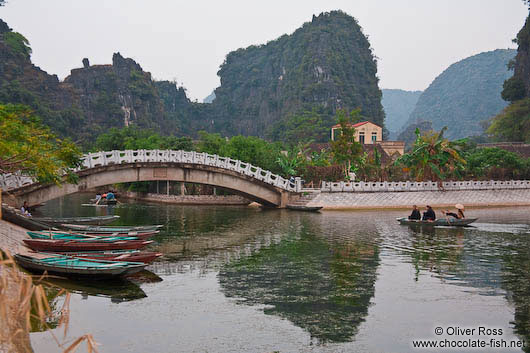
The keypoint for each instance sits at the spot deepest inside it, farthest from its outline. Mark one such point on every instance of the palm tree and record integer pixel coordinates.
(433, 157)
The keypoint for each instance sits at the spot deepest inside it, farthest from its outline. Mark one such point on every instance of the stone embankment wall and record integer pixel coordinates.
(405, 199)
(187, 199)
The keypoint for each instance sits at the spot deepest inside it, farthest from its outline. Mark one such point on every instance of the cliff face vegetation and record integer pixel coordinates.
(513, 123)
(398, 104)
(465, 94)
(91, 99)
(325, 65)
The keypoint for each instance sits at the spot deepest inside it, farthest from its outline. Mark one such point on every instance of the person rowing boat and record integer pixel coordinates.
(459, 213)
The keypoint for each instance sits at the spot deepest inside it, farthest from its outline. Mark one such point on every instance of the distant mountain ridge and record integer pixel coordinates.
(465, 94)
(398, 104)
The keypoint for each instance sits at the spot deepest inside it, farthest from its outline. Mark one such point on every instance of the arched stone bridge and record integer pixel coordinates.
(105, 168)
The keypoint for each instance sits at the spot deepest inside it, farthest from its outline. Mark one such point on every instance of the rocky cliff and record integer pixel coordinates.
(325, 64)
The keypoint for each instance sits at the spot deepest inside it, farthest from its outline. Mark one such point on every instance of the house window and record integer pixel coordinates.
(361, 137)
(374, 136)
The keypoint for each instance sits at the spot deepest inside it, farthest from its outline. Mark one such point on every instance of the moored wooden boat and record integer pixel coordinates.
(79, 237)
(439, 222)
(80, 245)
(96, 220)
(71, 266)
(117, 255)
(57, 234)
(303, 208)
(106, 229)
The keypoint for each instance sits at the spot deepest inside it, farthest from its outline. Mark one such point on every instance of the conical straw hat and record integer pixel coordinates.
(459, 206)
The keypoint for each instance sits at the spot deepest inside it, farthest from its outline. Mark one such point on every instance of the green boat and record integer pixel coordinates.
(439, 222)
(71, 266)
(103, 229)
(96, 220)
(78, 237)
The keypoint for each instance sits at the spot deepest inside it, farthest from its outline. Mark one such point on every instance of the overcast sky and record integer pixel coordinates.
(186, 41)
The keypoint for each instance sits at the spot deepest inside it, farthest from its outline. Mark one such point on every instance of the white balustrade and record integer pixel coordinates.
(361, 186)
(99, 159)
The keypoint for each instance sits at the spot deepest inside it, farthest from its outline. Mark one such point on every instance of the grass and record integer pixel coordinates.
(21, 301)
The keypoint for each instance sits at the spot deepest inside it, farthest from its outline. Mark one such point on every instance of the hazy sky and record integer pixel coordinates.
(186, 41)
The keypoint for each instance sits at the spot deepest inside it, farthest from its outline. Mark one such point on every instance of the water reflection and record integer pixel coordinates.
(118, 290)
(492, 258)
(321, 285)
(318, 271)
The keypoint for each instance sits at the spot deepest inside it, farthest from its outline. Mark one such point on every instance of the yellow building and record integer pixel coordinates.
(368, 133)
(365, 132)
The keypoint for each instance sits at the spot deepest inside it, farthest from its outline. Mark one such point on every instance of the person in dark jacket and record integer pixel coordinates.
(415, 215)
(429, 215)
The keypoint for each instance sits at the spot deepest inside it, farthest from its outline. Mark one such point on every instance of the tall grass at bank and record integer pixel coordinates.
(21, 301)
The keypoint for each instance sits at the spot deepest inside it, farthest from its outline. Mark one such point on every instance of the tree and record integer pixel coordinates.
(28, 147)
(496, 163)
(513, 89)
(307, 126)
(345, 150)
(513, 123)
(433, 157)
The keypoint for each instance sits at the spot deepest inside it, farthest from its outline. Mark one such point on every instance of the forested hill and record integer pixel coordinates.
(398, 104)
(465, 94)
(325, 64)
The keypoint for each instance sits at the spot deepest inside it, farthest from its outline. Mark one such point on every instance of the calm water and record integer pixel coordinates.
(240, 279)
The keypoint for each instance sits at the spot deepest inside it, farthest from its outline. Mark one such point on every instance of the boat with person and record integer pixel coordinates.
(438, 222)
(54, 245)
(72, 266)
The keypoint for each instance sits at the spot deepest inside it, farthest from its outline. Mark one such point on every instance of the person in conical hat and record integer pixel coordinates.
(459, 212)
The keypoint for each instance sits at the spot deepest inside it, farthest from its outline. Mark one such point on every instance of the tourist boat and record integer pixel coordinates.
(106, 229)
(96, 220)
(71, 266)
(80, 237)
(439, 222)
(117, 255)
(53, 245)
(303, 208)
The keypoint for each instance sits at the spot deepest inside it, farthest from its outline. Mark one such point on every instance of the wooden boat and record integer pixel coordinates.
(71, 266)
(138, 235)
(117, 255)
(106, 229)
(79, 237)
(303, 208)
(13, 216)
(439, 222)
(96, 220)
(52, 245)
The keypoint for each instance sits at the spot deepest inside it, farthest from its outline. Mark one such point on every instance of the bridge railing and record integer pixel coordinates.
(97, 159)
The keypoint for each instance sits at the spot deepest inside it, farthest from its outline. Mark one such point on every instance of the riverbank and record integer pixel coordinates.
(405, 199)
(11, 237)
(186, 199)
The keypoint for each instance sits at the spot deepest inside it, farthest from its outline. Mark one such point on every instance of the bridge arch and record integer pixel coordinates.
(105, 168)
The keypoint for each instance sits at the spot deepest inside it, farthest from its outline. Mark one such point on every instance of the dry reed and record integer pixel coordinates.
(21, 301)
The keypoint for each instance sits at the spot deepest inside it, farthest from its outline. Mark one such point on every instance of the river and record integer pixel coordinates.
(243, 279)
